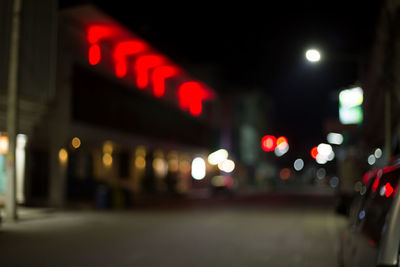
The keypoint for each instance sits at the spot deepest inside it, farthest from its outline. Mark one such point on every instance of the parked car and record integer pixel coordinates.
(372, 235)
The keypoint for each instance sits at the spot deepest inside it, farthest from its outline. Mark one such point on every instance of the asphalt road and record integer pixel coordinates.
(232, 234)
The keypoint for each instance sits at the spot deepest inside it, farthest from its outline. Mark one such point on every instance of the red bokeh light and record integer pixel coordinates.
(268, 143)
(122, 51)
(158, 77)
(375, 184)
(314, 152)
(281, 140)
(97, 32)
(388, 189)
(94, 54)
(191, 95)
(285, 173)
(142, 67)
(94, 35)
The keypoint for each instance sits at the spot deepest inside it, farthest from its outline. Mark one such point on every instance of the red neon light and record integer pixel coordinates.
(314, 152)
(121, 51)
(158, 77)
(268, 143)
(388, 189)
(95, 33)
(191, 95)
(142, 66)
(94, 54)
(375, 184)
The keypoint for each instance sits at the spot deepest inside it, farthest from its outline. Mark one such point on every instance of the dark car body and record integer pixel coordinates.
(372, 235)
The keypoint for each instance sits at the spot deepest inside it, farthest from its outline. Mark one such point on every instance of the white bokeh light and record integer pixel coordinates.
(298, 164)
(198, 168)
(313, 55)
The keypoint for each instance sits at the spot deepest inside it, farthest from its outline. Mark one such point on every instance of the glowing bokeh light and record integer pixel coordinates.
(388, 190)
(375, 184)
(158, 77)
(121, 52)
(298, 164)
(97, 32)
(108, 147)
(321, 159)
(63, 156)
(378, 153)
(160, 167)
(226, 166)
(140, 162)
(314, 152)
(94, 35)
(191, 95)
(198, 168)
(351, 97)
(281, 150)
(142, 67)
(3, 144)
(281, 141)
(76, 142)
(107, 159)
(324, 149)
(335, 138)
(371, 160)
(313, 55)
(268, 143)
(94, 54)
(217, 156)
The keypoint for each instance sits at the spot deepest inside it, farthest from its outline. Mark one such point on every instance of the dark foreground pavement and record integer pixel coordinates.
(278, 232)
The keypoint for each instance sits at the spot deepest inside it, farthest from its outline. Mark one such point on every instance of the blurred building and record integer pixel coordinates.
(36, 76)
(381, 85)
(252, 119)
(116, 119)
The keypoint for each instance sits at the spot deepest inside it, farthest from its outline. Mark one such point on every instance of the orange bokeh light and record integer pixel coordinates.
(314, 152)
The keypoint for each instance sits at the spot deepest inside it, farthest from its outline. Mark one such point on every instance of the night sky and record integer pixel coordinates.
(238, 48)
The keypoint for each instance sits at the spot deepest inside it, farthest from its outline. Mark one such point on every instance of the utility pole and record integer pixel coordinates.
(12, 111)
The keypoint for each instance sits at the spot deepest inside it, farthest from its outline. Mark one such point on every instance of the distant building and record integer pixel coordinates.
(119, 120)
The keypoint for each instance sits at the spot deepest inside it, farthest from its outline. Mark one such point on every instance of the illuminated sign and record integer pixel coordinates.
(149, 68)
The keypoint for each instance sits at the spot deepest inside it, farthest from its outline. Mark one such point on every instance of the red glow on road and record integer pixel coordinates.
(268, 143)
(314, 152)
(388, 190)
(158, 77)
(94, 54)
(142, 67)
(191, 96)
(122, 51)
(375, 184)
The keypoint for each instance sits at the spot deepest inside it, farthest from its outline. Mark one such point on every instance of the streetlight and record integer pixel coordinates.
(313, 55)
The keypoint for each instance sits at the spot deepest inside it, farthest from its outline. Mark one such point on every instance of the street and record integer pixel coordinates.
(240, 233)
